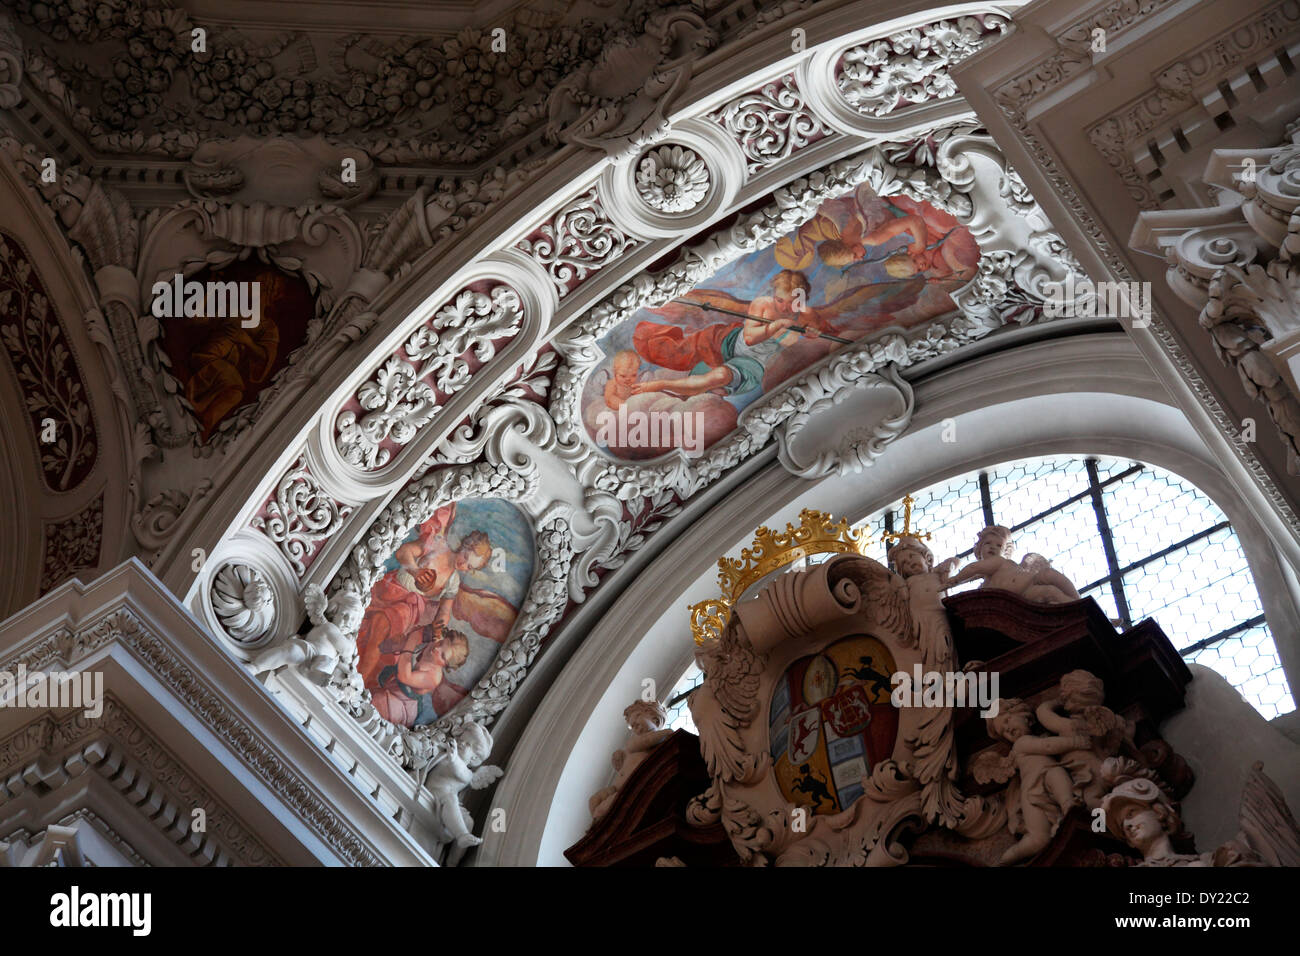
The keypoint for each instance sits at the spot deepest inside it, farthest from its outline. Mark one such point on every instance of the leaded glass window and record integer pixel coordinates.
(1140, 540)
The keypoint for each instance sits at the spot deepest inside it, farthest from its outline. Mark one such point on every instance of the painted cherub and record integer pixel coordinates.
(625, 374)
(448, 776)
(1033, 578)
(1082, 697)
(1041, 791)
(332, 639)
(646, 719)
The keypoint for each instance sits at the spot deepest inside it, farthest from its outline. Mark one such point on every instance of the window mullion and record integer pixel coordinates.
(986, 499)
(1108, 544)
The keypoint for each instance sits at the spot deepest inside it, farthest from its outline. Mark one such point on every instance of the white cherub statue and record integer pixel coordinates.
(450, 774)
(330, 640)
(1033, 578)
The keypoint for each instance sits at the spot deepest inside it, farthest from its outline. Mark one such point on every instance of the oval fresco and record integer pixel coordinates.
(445, 604)
(678, 376)
(831, 721)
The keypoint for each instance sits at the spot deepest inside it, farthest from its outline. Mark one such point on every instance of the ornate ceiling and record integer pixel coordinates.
(458, 226)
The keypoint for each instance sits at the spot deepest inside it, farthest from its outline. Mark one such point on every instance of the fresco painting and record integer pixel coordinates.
(445, 604)
(223, 366)
(862, 263)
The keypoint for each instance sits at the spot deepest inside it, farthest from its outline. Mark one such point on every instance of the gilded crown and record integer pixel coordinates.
(817, 533)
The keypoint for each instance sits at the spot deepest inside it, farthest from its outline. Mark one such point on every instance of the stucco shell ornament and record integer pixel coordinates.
(672, 179)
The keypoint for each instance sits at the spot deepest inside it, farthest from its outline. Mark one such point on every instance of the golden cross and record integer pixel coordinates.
(907, 531)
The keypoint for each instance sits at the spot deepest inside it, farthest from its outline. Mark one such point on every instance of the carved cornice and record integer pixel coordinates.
(48, 753)
(1073, 52)
(1239, 269)
(1186, 95)
(63, 648)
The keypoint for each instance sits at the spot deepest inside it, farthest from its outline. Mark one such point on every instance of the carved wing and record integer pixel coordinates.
(726, 702)
(313, 595)
(721, 743)
(1035, 563)
(1100, 721)
(485, 777)
(1267, 822)
(992, 767)
(886, 596)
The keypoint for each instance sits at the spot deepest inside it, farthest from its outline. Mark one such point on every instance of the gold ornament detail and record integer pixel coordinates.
(817, 533)
(907, 531)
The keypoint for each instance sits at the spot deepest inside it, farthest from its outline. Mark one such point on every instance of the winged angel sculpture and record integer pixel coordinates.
(448, 775)
(329, 642)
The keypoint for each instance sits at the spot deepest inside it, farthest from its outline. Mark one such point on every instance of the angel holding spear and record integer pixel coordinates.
(733, 356)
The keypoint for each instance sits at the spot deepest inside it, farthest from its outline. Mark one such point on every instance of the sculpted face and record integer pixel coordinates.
(643, 724)
(910, 562)
(1015, 727)
(1141, 825)
(350, 612)
(989, 548)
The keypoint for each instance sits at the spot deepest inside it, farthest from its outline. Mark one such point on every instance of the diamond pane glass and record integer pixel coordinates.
(1069, 538)
(679, 714)
(1021, 490)
(1152, 510)
(1249, 662)
(1200, 589)
(1197, 591)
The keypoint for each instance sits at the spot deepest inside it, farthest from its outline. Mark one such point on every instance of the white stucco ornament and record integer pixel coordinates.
(672, 179)
(331, 640)
(460, 768)
(244, 602)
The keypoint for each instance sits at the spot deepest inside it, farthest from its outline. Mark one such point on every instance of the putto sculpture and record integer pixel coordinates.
(1041, 791)
(1081, 697)
(647, 720)
(1033, 578)
(448, 776)
(331, 640)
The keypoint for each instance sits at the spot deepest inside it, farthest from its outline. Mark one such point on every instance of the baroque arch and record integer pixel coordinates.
(1051, 390)
(469, 302)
